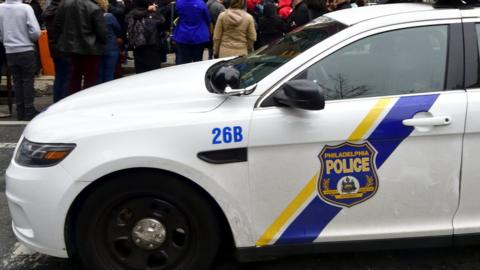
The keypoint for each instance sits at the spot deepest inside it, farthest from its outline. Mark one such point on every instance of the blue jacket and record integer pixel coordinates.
(114, 31)
(193, 24)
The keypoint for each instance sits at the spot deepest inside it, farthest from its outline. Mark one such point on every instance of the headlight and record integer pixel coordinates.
(32, 154)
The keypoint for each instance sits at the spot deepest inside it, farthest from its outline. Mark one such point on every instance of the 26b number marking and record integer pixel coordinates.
(227, 135)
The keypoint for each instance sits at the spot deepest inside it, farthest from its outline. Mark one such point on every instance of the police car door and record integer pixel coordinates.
(382, 159)
(467, 218)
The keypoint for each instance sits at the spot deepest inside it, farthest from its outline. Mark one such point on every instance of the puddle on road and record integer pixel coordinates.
(8, 145)
(21, 257)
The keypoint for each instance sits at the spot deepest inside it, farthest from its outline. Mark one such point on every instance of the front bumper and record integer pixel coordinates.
(39, 199)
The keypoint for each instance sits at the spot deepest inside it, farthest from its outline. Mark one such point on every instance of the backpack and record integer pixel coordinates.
(145, 31)
(136, 32)
(153, 35)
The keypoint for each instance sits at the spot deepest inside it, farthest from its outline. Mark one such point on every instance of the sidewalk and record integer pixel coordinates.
(43, 89)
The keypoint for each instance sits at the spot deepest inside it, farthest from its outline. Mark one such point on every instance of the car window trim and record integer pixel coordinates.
(454, 78)
(448, 22)
(471, 54)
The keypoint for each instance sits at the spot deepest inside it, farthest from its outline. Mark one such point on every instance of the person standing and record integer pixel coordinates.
(235, 31)
(145, 32)
(334, 5)
(2, 61)
(37, 10)
(192, 32)
(19, 32)
(111, 51)
(118, 9)
(215, 7)
(300, 14)
(61, 61)
(82, 34)
(316, 8)
(271, 26)
(284, 9)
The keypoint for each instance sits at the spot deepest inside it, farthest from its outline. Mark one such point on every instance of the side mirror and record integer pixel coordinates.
(225, 76)
(302, 94)
(225, 80)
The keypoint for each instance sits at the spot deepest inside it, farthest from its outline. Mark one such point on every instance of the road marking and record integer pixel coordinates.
(13, 123)
(8, 145)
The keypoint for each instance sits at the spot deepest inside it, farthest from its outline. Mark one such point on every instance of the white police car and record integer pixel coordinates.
(360, 130)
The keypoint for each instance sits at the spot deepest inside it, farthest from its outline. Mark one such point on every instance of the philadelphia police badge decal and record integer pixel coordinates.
(348, 174)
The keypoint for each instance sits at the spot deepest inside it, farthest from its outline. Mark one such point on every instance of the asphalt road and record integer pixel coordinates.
(14, 256)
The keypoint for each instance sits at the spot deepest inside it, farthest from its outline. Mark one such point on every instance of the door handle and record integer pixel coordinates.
(428, 121)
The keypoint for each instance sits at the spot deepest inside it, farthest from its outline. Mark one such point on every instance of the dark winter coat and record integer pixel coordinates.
(49, 19)
(81, 27)
(299, 16)
(148, 56)
(271, 26)
(316, 8)
(344, 5)
(37, 9)
(154, 25)
(118, 10)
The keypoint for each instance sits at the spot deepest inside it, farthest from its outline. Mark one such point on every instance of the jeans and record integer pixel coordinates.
(187, 53)
(62, 77)
(84, 67)
(22, 66)
(2, 58)
(107, 67)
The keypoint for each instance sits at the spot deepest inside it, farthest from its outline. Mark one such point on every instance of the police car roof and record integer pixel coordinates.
(353, 16)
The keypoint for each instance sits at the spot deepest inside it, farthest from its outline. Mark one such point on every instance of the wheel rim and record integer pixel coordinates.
(147, 233)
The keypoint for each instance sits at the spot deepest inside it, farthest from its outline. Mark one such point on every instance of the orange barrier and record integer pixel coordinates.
(47, 62)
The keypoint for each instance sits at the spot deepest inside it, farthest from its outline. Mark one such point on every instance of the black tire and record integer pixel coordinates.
(105, 224)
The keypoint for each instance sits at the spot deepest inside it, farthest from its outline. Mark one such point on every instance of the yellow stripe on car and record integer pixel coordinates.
(364, 126)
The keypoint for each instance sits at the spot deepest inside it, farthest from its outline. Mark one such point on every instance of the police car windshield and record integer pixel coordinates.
(256, 66)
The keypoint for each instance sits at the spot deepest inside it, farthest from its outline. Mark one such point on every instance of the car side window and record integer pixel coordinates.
(405, 61)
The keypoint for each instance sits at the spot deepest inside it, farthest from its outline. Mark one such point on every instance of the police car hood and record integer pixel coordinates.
(179, 88)
(144, 99)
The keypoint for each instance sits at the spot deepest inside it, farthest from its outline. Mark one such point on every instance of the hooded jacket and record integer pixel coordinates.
(234, 33)
(19, 29)
(81, 28)
(284, 8)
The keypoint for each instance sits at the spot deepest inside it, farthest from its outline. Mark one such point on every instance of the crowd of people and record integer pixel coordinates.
(90, 39)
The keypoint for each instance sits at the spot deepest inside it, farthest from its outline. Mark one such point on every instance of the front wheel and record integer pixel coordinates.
(146, 221)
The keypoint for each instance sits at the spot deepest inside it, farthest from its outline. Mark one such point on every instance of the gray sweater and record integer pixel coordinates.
(19, 29)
